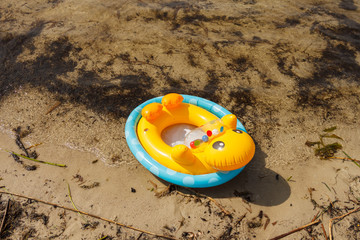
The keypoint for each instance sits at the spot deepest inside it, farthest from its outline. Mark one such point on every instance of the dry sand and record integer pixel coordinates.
(72, 71)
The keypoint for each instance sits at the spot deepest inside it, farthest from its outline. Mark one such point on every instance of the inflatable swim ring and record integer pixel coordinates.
(213, 146)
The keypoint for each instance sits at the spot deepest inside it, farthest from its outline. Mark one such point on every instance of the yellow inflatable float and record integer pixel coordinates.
(188, 140)
(211, 145)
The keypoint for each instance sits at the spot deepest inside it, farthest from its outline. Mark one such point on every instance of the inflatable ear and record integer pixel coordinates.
(172, 100)
(182, 154)
(151, 111)
(229, 121)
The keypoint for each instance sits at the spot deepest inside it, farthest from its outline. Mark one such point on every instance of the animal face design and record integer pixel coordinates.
(232, 150)
(221, 145)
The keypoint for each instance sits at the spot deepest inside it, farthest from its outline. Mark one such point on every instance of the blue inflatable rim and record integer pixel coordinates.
(169, 175)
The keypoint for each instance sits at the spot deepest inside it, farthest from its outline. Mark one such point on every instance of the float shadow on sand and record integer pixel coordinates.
(256, 184)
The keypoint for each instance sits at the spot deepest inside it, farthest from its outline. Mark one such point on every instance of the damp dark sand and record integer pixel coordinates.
(71, 72)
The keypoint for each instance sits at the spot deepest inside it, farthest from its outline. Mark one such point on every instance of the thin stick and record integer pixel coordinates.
(295, 230)
(316, 216)
(88, 214)
(322, 226)
(32, 146)
(53, 107)
(4, 217)
(339, 217)
(241, 218)
(344, 158)
(219, 206)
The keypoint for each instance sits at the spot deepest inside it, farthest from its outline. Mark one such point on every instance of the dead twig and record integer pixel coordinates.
(32, 146)
(52, 108)
(88, 214)
(267, 221)
(139, 236)
(4, 217)
(154, 184)
(322, 226)
(316, 216)
(339, 217)
(344, 158)
(241, 218)
(295, 230)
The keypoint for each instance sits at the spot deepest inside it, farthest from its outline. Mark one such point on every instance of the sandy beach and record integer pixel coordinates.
(71, 73)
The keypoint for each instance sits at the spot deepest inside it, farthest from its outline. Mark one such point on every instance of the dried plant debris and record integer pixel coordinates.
(227, 233)
(25, 217)
(354, 229)
(166, 192)
(11, 217)
(29, 233)
(332, 209)
(20, 144)
(19, 217)
(355, 226)
(30, 167)
(191, 235)
(170, 229)
(94, 184)
(330, 129)
(196, 197)
(326, 151)
(239, 220)
(256, 221)
(16, 158)
(267, 221)
(29, 154)
(21, 132)
(35, 216)
(245, 195)
(78, 178)
(90, 225)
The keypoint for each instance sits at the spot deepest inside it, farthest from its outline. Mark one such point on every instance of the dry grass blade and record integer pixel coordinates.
(103, 238)
(339, 217)
(34, 160)
(295, 230)
(88, 214)
(72, 202)
(355, 162)
(330, 129)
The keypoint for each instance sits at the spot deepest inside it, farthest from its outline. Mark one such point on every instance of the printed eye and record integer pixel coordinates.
(238, 131)
(218, 145)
